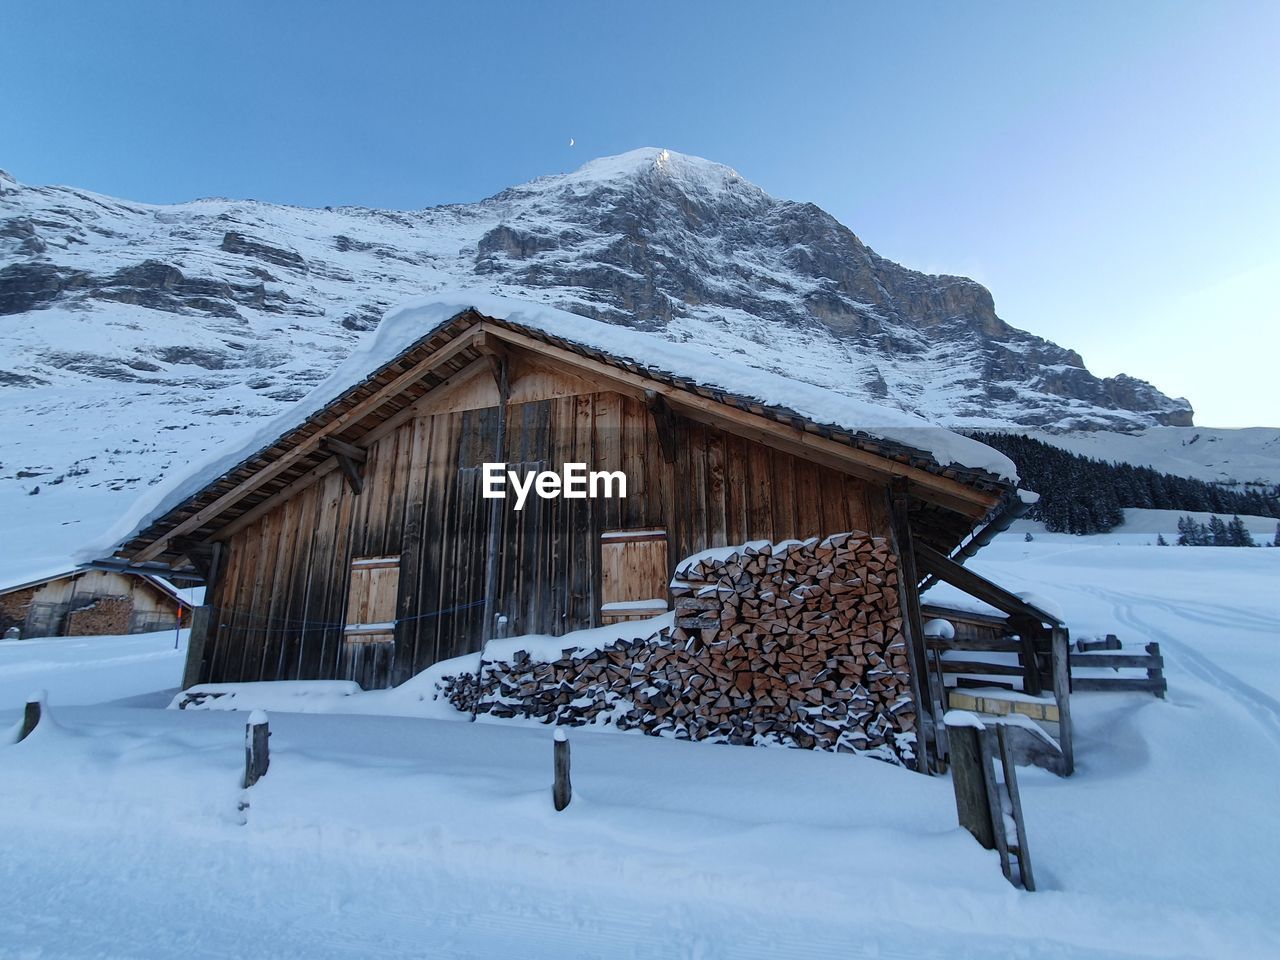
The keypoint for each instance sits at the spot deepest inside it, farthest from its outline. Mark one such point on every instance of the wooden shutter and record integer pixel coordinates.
(633, 574)
(368, 647)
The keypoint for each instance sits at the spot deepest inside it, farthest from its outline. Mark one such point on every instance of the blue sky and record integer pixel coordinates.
(1110, 170)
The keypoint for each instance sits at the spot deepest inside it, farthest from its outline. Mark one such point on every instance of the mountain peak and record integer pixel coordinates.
(655, 164)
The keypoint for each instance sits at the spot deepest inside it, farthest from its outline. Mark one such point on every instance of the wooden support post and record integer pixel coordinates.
(1060, 655)
(201, 630)
(256, 752)
(562, 791)
(929, 732)
(351, 460)
(944, 568)
(489, 625)
(664, 423)
(1027, 633)
(352, 474)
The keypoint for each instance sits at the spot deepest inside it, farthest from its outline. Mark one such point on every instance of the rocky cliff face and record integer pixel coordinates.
(122, 321)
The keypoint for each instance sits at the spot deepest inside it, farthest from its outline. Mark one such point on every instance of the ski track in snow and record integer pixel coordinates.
(1264, 708)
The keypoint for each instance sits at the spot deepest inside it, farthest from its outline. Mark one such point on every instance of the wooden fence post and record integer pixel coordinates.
(562, 792)
(973, 803)
(974, 749)
(1156, 674)
(31, 715)
(256, 753)
(1060, 658)
(1009, 765)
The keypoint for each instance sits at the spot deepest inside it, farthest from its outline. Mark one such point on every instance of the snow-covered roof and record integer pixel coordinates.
(10, 584)
(416, 321)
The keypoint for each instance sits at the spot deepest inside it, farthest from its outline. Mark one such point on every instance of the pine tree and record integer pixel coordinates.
(1084, 495)
(1161, 541)
(1276, 541)
(1218, 535)
(1238, 534)
(1028, 538)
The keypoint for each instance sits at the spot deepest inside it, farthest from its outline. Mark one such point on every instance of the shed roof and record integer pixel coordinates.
(423, 344)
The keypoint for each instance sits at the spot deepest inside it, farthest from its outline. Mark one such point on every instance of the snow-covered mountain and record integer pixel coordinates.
(1232, 458)
(134, 336)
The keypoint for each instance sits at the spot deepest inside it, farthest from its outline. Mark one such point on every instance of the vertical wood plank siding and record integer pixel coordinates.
(281, 602)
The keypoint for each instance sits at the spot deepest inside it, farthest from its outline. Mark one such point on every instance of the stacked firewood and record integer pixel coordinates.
(798, 644)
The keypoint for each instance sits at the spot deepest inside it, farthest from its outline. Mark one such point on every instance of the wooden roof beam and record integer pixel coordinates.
(962, 578)
(350, 459)
(664, 424)
(341, 447)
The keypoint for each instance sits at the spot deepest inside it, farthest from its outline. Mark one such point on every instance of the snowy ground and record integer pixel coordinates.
(410, 837)
(87, 670)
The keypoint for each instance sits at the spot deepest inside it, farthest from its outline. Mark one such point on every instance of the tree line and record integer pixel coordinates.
(1216, 533)
(1085, 495)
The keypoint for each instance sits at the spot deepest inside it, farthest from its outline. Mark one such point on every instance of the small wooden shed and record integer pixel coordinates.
(78, 603)
(357, 544)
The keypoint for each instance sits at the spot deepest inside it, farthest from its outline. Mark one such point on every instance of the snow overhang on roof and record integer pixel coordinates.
(400, 353)
(63, 573)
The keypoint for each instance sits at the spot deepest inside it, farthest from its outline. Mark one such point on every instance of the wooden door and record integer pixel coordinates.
(633, 574)
(369, 638)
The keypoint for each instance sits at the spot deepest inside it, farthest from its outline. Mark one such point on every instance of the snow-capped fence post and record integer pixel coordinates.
(31, 715)
(973, 805)
(979, 804)
(256, 756)
(562, 792)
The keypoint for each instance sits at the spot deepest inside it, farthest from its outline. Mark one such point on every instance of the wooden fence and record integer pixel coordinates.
(1102, 656)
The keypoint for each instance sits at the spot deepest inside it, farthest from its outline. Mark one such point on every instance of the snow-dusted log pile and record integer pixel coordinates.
(798, 645)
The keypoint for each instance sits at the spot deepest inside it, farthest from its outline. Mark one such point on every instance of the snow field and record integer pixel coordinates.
(84, 670)
(417, 837)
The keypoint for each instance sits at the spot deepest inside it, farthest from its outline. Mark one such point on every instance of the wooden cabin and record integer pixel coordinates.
(358, 544)
(80, 603)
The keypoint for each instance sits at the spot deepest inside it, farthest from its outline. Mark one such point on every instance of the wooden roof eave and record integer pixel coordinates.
(327, 466)
(305, 447)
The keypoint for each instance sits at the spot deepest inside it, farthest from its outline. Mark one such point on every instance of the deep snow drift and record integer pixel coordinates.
(412, 837)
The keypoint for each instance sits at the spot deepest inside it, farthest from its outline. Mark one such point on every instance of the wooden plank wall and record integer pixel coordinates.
(281, 599)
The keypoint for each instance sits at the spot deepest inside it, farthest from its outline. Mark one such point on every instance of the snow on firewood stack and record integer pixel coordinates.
(797, 644)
